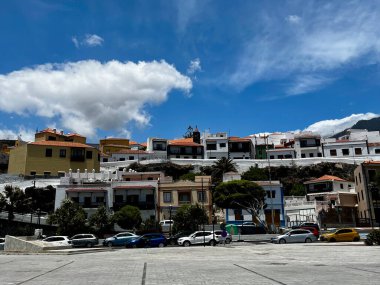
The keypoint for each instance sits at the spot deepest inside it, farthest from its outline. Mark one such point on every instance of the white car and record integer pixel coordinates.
(199, 237)
(299, 235)
(58, 240)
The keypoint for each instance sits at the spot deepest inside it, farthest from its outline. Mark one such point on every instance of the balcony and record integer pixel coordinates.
(141, 205)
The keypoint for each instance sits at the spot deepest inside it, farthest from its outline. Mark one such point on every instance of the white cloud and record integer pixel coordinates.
(331, 38)
(294, 19)
(195, 65)
(88, 95)
(92, 40)
(307, 83)
(75, 41)
(88, 41)
(24, 134)
(331, 127)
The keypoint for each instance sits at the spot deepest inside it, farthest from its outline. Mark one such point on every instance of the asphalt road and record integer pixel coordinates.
(239, 263)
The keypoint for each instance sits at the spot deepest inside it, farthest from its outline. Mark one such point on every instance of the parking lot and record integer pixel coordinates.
(238, 263)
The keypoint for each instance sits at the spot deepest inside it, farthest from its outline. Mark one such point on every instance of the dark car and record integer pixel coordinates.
(84, 240)
(173, 240)
(306, 224)
(147, 240)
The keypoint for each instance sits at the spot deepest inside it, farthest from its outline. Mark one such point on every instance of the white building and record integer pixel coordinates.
(215, 145)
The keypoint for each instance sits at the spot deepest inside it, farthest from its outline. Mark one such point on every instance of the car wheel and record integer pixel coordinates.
(89, 244)
(212, 242)
(332, 240)
(109, 244)
(356, 239)
(172, 242)
(228, 241)
(186, 243)
(282, 241)
(134, 246)
(308, 240)
(161, 244)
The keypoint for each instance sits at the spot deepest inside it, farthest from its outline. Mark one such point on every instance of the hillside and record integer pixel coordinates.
(370, 125)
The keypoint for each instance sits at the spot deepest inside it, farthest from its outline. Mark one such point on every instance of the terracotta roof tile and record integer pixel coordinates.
(327, 178)
(184, 142)
(59, 143)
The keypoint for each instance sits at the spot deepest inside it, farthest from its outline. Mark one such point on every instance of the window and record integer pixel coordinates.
(211, 146)
(105, 159)
(358, 197)
(303, 155)
(345, 151)
(122, 159)
(201, 196)
(319, 154)
(99, 199)
(222, 145)
(33, 173)
(89, 154)
(47, 173)
(62, 153)
(333, 152)
(311, 154)
(280, 156)
(377, 150)
(184, 198)
(77, 154)
(341, 186)
(167, 197)
(273, 194)
(131, 157)
(360, 178)
(362, 195)
(48, 152)
(358, 151)
(271, 157)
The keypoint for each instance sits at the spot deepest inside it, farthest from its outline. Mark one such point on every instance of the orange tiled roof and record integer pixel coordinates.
(75, 135)
(373, 144)
(237, 139)
(59, 143)
(372, 162)
(328, 178)
(143, 144)
(184, 142)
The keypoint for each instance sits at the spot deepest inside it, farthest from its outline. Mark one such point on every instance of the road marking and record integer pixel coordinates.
(144, 274)
(363, 270)
(279, 282)
(59, 267)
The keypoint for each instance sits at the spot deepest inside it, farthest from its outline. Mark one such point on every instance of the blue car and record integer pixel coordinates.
(147, 240)
(120, 239)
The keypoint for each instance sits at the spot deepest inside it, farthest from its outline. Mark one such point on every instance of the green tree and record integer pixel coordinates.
(41, 198)
(298, 190)
(70, 218)
(13, 200)
(128, 217)
(220, 167)
(255, 174)
(189, 217)
(101, 220)
(241, 194)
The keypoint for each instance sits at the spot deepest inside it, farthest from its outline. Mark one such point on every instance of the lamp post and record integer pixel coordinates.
(39, 216)
(213, 222)
(170, 219)
(203, 209)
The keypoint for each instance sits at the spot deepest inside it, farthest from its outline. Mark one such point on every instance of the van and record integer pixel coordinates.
(166, 222)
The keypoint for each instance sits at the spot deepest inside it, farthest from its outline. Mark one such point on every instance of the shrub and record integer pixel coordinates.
(373, 237)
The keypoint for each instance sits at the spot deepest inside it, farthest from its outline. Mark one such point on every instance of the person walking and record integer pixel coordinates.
(223, 237)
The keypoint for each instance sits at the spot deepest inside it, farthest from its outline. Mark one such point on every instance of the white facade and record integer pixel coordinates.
(215, 145)
(158, 147)
(298, 209)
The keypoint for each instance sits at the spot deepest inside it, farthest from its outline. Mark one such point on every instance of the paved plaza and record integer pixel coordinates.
(239, 263)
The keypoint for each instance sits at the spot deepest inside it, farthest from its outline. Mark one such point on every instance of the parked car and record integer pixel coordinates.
(307, 224)
(84, 240)
(199, 237)
(346, 234)
(147, 240)
(166, 222)
(228, 238)
(58, 240)
(298, 235)
(314, 230)
(173, 240)
(119, 239)
(2, 243)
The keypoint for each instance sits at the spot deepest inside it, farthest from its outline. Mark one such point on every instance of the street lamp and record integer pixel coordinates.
(39, 216)
(203, 208)
(170, 219)
(213, 222)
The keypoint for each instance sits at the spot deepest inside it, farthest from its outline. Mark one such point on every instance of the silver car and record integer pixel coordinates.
(199, 237)
(299, 235)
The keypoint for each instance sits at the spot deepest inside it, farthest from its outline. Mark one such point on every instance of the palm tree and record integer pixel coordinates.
(13, 199)
(222, 166)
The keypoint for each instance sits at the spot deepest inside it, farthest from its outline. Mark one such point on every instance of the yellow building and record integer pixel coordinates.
(112, 145)
(53, 154)
(172, 195)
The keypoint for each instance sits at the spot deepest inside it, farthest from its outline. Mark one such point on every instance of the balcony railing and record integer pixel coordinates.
(141, 205)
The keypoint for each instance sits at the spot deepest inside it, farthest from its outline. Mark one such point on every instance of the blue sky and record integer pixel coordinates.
(152, 68)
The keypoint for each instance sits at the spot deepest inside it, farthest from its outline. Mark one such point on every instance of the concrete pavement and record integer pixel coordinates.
(238, 263)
